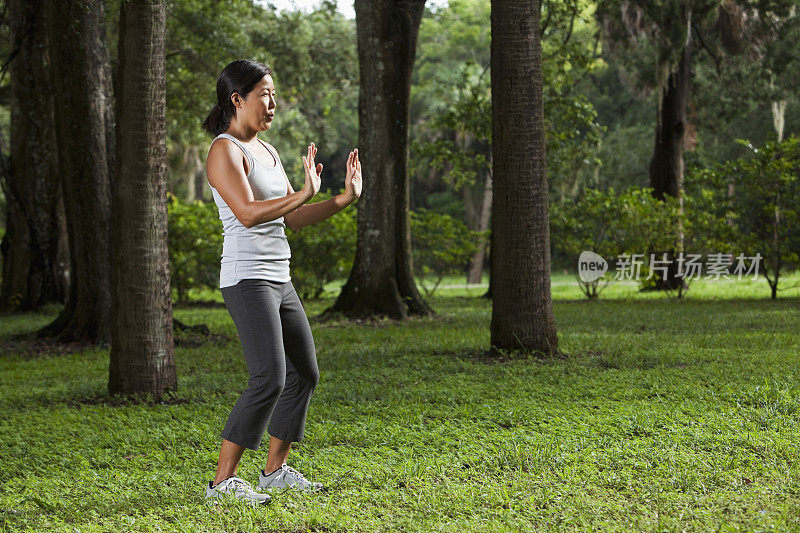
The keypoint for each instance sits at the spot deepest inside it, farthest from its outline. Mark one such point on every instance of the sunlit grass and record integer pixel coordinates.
(665, 415)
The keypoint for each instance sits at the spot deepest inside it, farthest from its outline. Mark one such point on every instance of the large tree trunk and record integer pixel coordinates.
(142, 350)
(667, 165)
(476, 268)
(382, 281)
(80, 71)
(522, 311)
(34, 245)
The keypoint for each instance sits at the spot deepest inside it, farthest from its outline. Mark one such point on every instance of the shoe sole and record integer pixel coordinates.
(220, 498)
(289, 489)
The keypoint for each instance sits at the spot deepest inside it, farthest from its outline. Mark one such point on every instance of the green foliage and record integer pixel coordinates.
(195, 245)
(610, 224)
(441, 245)
(760, 196)
(460, 144)
(324, 251)
(451, 101)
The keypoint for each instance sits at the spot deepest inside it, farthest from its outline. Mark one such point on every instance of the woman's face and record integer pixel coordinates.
(258, 109)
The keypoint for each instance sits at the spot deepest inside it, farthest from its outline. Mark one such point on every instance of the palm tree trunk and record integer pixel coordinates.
(142, 350)
(522, 311)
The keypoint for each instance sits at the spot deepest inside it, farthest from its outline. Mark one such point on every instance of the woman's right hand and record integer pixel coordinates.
(313, 173)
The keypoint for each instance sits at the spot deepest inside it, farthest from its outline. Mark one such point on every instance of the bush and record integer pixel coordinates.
(611, 224)
(195, 245)
(758, 196)
(441, 245)
(324, 251)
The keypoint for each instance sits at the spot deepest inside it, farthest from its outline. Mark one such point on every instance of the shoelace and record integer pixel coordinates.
(300, 477)
(239, 482)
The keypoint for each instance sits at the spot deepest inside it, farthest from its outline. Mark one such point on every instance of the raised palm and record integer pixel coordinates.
(352, 182)
(313, 172)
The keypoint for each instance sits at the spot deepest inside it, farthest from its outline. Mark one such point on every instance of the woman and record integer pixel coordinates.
(256, 202)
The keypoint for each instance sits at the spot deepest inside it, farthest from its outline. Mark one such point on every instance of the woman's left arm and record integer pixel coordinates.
(311, 213)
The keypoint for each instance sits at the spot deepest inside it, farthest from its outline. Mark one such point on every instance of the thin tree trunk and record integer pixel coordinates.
(142, 350)
(191, 175)
(522, 311)
(778, 117)
(476, 268)
(79, 68)
(33, 241)
(381, 282)
(197, 167)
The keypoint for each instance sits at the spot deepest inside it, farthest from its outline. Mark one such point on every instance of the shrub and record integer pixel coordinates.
(441, 245)
(611, 224)
(759, 197)
(195, 245)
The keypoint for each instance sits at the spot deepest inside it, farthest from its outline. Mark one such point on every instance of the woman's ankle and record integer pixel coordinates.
(269, 469)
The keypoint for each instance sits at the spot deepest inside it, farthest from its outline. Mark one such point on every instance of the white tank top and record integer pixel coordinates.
(260, 252)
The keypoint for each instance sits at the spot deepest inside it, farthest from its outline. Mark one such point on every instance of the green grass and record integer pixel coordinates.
(565, 287)
(666, 416)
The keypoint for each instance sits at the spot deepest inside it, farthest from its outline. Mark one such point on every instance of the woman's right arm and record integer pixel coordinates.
(225, 170)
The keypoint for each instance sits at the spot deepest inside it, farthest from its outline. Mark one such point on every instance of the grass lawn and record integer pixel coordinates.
(666, 416)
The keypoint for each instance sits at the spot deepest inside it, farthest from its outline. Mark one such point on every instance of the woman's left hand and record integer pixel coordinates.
(352, 181)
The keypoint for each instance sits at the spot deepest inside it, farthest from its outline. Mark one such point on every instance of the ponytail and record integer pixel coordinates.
(217, 121)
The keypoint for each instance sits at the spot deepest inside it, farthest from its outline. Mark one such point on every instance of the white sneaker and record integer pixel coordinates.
(238, 488)
(286, 478)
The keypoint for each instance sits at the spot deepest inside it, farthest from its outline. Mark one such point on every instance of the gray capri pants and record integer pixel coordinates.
(281, 359)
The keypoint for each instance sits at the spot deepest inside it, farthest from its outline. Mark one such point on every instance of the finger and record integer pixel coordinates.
(319, 169)
(350, 159)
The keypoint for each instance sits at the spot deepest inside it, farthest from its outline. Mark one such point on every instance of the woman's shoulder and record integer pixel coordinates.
(222, 145)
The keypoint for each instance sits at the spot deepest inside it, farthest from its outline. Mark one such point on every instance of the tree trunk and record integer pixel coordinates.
(778, 117)
(79, 68)
(198, 171)
(476, 268)
(381, 281)
(34, 243)
(522, 311)
(667, 165)
(142, 350)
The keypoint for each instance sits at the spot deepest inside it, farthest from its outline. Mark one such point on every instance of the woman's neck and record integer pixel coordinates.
(242, 133)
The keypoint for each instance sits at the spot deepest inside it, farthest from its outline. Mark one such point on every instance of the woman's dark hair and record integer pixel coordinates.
(240, 77)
